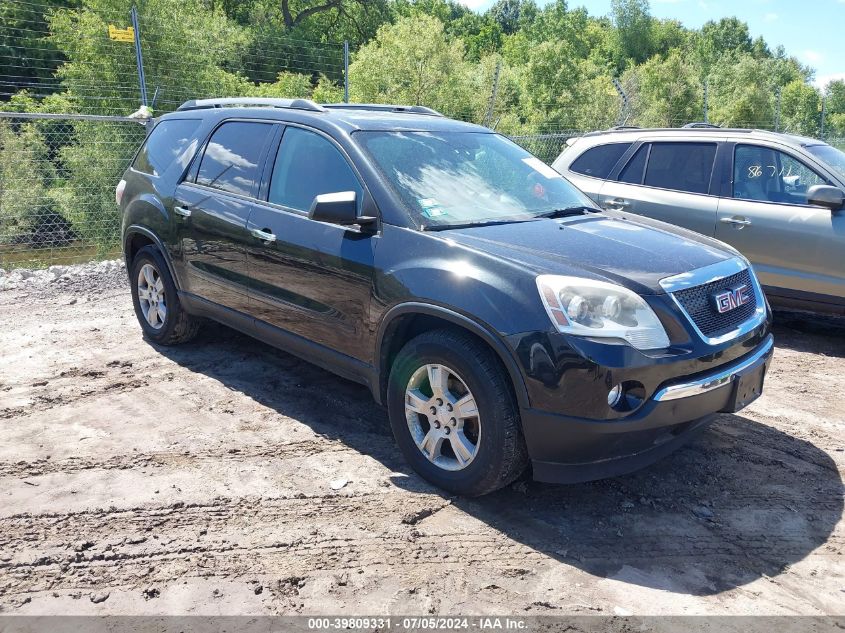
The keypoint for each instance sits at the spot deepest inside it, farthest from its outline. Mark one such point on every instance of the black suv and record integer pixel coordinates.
(475, 291)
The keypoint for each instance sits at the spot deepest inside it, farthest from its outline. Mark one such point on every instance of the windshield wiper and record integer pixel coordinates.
(467, 225)
(568, 211)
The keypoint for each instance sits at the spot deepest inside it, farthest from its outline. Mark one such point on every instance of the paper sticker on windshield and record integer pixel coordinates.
(431, 208)
(537, 165)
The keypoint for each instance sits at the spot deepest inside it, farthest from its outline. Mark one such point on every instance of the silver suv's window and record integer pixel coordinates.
(681, 166)
(599, 161)
(830, 156)
(634, 170)
(768, 175)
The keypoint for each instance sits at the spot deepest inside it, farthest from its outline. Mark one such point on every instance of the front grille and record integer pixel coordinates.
(699, 305)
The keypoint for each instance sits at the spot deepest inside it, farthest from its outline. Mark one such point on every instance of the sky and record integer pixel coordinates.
(811, 30)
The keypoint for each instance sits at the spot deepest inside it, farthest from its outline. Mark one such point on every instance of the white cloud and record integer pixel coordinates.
(475, 5)
(814, 57)
(771, 17)
(822, 80)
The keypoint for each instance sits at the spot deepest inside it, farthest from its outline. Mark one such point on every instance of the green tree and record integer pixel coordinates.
(188, 53)
(511, 15)
(27, 57)
(717, 39)
(741, 93)
(26, 210)
(414, 62)
(665, 92)
(633, 22)
(800, 109)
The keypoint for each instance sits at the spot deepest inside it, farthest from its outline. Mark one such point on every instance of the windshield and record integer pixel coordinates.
(449, 178)
(834, 158)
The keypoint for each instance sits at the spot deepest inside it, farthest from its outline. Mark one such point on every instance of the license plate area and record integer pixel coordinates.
(747, 387)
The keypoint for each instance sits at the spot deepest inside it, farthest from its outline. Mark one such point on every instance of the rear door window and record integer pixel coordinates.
(634, 170)
(170, 140)
(681, 166)
(231, 161)
(599, 161)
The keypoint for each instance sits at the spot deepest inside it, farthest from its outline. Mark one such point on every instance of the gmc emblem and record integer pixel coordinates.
(731, 299)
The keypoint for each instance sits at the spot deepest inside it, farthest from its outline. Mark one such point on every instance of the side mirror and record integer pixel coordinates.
(338, 208)
(825, 196)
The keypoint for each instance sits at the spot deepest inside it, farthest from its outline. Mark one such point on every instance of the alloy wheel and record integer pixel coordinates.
(442, 417)
(151, 296)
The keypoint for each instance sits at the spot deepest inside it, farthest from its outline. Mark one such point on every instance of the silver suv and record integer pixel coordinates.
(776, 198)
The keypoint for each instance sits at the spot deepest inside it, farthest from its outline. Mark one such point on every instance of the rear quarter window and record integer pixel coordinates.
(599, 161)
(169, 141)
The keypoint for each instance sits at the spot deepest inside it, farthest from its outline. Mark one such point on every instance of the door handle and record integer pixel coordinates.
(185, 212)
(617, 203)
(736, 222)
(264, 235)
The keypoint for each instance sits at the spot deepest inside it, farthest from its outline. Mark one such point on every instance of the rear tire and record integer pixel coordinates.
(454, 415)
(156, 300)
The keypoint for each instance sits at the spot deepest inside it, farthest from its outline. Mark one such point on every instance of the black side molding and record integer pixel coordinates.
(330, 360)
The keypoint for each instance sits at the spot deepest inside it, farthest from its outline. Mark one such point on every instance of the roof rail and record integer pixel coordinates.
(383, 107)
(626, 127)
(251, 102)
(698, 125)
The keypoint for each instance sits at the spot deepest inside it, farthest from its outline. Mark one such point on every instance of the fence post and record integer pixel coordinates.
(706, 100)
(824, 113)
(624, 112)
(139, 58)
(777, 110)
(488, 118)
(346, 71)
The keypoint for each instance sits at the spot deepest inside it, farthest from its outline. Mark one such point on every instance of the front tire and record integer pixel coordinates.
(454, 415)
(156, 300)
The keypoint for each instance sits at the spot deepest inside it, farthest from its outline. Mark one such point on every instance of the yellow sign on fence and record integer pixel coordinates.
(121, 35)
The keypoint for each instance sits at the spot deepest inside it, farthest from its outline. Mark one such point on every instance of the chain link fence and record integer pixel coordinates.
(57, 179)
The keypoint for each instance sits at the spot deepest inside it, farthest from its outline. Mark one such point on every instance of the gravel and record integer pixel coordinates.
(77, 280)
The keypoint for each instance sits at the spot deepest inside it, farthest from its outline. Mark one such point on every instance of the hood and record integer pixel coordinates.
(632, 252)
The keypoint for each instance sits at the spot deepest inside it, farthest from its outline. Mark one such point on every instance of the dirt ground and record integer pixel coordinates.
(201, 480)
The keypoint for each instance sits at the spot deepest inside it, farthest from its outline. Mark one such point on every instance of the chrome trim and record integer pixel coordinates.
(709, 274)
(719, 379)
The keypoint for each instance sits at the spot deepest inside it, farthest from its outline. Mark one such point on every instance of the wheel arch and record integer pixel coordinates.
(137, 237)
(406, 320)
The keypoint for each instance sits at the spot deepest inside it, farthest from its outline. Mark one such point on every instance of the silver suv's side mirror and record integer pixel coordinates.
(825, 196)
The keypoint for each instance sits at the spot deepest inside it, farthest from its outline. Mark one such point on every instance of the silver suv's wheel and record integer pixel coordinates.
(454, 414)
(151, 296)
(442, 417)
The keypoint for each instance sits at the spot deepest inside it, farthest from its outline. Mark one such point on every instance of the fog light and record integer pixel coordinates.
(614, 396)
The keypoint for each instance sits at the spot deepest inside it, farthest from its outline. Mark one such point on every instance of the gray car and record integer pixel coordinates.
(778, 199)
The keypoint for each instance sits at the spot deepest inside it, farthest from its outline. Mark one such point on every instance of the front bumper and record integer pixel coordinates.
(566, 449)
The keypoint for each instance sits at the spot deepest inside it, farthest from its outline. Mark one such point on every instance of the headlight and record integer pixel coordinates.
(601, 310)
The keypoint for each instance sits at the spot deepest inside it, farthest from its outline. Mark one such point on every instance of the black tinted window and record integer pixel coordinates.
(633, 172)
(231, 160)
(598, 161)
(169, 140)
(681, 166)
(309, 165)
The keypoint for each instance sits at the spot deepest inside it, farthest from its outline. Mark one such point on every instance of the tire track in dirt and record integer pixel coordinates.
(306, 448)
